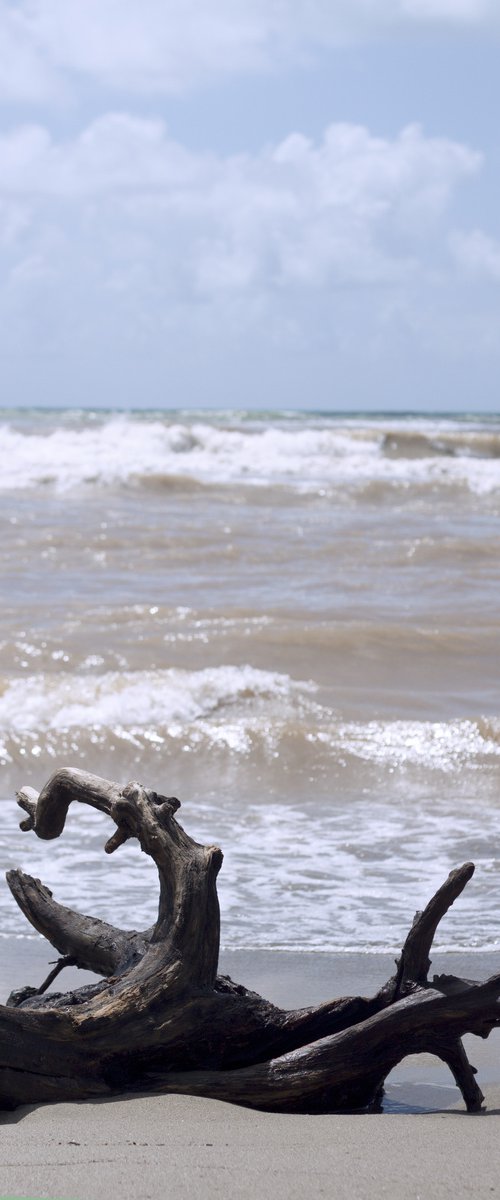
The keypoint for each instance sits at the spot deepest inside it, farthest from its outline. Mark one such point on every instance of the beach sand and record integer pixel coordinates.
(186, 1147)
(423, 1145)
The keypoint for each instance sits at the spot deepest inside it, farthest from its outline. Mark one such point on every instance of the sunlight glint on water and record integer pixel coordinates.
(289, 621)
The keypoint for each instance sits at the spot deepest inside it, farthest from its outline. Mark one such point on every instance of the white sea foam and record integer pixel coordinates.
(339, 859)
(127, 451)
(234, 708)
(173, 700)
(295, 876)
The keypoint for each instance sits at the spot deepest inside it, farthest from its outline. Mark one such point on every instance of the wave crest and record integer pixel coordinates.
(129, 451)
(237, 709)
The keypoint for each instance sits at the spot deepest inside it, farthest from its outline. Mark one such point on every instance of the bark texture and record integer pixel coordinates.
(162, 1020)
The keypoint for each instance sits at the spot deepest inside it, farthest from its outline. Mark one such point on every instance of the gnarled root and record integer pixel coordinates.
(162, 1019)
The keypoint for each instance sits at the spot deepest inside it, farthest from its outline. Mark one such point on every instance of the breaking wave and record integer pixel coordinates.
(332, 830)
(237, 709)
(125, 450)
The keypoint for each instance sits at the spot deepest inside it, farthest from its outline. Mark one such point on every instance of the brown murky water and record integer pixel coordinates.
(290, 621)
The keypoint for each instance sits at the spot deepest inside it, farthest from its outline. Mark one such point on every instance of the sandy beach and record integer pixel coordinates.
(423, 1145)
(185, 1147)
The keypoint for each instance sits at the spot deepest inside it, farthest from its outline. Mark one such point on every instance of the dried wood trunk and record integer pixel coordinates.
(162, 1019)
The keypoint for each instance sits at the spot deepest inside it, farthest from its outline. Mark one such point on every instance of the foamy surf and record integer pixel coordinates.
(344, 876)
(239, 709)
(132, 451)
(289, 621)
(333, 831)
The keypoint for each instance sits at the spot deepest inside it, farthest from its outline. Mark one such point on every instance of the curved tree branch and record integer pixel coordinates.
(93, 944)
(162, 1019)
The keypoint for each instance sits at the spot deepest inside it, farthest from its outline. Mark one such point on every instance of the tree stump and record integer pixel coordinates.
(163, 1020)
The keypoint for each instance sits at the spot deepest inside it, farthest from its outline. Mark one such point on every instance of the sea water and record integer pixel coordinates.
(288, 620)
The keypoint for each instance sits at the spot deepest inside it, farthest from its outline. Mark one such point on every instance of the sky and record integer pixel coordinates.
(250, 204)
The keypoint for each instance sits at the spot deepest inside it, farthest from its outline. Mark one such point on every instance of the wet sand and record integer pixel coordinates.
(424, 1145)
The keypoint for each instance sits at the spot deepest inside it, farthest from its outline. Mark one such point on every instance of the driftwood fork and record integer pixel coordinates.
(163, 1020)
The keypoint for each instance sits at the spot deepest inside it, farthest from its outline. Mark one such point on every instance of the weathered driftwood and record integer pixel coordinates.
(162, 1019)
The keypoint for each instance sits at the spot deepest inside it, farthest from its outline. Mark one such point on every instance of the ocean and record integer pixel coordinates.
(288, 620)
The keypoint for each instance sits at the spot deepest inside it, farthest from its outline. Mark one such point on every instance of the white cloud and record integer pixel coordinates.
(172, 45)
(122, 236)
(476, 253)
(159, 45)
(26, 72)
(116, 153)
(470, 12)
(352, 207)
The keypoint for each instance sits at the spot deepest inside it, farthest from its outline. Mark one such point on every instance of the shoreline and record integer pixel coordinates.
(297, 979)
(147, 1147)
(289, 978)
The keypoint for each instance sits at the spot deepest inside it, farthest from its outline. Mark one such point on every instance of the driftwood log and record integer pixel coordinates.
(163, 1020)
